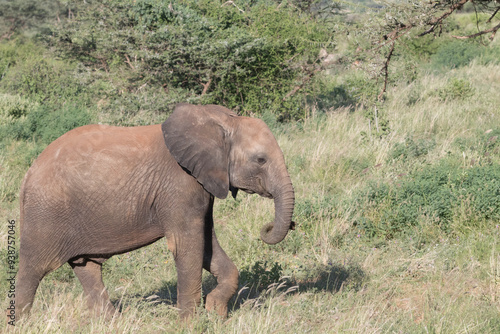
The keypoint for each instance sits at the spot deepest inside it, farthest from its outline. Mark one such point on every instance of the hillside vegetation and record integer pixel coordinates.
(397, 198)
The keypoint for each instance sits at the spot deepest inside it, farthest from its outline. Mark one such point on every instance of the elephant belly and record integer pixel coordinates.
(69, 228)
(118, 233)
(125, 243)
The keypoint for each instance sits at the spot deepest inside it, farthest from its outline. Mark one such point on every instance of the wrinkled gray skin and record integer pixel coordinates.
(99, 190)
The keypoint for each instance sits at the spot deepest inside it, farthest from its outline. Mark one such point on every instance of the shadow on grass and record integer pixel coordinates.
(165, 294)
(262, 278)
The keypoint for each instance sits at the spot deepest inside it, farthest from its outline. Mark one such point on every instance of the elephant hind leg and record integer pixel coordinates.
(33, 266)
(28, 279)
(89, 273)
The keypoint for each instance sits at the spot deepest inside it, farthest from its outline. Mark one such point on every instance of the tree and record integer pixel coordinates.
(416, 19)
(18, 15)
(255, 56)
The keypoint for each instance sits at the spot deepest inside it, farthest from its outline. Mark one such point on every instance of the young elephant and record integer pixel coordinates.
(101, 190)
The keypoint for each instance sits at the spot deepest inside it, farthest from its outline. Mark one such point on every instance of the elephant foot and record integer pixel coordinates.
(215, 303)
(108, 311)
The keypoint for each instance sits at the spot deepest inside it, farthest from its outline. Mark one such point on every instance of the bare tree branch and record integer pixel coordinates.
(309, 75)
(129, 62)
(493, 15)
(385, 70)
(492, 30)
(438, 20)
(393, 36)
(232, 3)
(206, 86)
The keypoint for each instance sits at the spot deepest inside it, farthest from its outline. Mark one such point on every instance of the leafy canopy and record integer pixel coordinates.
(248, 57)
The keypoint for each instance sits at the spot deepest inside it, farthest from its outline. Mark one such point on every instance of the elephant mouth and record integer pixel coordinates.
(260, 193)
(266, 195)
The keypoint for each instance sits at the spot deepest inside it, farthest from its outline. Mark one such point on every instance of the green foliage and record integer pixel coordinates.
(361, 5)
(490, 55)
(6, 58)
(260, 275)
(455, 54)
(17, 52)
(487, 144)
(309, 211)
(456, 89)
(63, 274)
(249, 60)
(14, 106)
(43, 81)
(45, 125)
(362, 88)
(378, 123)
(26, 15)
(424, 47)
(411, 149)
(438, 194)
(329, 93)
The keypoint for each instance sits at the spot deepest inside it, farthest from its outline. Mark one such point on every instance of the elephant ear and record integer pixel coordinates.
(196, 138)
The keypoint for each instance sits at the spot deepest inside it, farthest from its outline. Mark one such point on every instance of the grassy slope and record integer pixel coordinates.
(325, 277)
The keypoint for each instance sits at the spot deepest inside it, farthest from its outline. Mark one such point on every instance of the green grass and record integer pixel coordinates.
(328, 276)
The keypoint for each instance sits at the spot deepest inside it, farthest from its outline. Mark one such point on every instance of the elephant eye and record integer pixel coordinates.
(261, 160)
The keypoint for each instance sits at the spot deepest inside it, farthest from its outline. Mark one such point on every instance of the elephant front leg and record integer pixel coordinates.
(188, 261)
(220, 265)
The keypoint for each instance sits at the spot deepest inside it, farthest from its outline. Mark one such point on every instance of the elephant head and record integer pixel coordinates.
(224, 151)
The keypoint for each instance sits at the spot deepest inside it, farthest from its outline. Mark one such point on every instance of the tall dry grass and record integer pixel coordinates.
(324, 278)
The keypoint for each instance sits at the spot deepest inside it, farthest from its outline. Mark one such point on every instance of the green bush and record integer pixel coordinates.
(411, 149)
(249, 60)
(63, 274)
(485, 143)
(490, 55)
(327, 93)
(424, 47)
(260, 275)
(308, 212)
(45, 125)
(43, 81)
(456, 54)
(437, 194)
(14, 106)
(27, 16)
(362, 88)
(456, 89)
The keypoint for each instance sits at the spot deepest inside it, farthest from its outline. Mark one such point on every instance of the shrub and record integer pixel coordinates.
(437, 194)
(260, 275)
(252, 59)
(485, 143)
(456, 89)
(411, 149)
(456, 54)
(45, 125)
(14, 106)
(308, 212)
(490, 55)
(45, 81)
(328, 93)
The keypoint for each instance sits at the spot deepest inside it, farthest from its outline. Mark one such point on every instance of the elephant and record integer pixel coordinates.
(101, 190)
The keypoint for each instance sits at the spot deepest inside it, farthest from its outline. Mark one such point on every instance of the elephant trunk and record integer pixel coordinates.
(284, 199)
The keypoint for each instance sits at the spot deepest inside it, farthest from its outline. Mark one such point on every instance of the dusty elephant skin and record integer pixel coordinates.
(100, 190)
